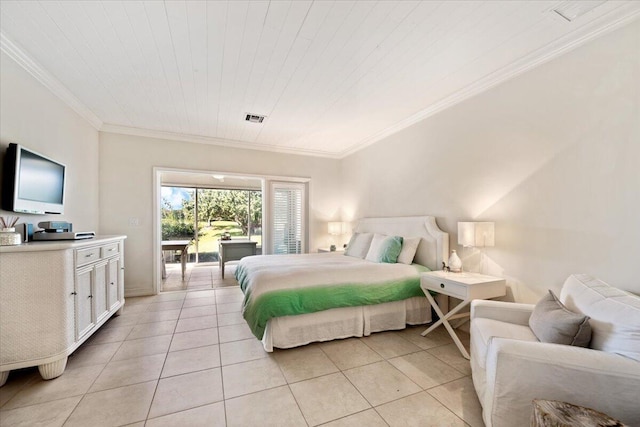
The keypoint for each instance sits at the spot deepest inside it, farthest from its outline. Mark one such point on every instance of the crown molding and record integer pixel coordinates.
(551, 51)
(198, 139)
(614, 19)
(13, 51)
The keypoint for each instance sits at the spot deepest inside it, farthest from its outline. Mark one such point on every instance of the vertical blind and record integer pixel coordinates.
(288, 218)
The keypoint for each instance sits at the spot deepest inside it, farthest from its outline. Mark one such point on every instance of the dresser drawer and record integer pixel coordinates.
(86, 256)
(446, 287)
(463, 285)
(110, 250)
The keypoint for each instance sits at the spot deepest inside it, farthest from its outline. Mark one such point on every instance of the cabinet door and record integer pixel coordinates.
(113, 279)
(83, 304)
(100, 291)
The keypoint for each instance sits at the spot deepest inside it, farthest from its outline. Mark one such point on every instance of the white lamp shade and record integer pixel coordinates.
(336, 228)
(477, 234)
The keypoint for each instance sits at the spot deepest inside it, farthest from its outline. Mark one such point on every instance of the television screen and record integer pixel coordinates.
(32, 183)
(41, 180)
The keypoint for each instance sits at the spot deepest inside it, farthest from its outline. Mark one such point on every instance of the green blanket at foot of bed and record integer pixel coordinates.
(291, 302)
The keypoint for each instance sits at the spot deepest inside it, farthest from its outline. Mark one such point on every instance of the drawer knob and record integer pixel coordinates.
(74, 293)
(88, 255)
(442, 285)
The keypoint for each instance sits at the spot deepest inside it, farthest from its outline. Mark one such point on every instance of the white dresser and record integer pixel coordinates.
(53, 296)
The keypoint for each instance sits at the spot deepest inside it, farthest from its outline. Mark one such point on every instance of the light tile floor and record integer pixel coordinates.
(187, 358)
(197, 276)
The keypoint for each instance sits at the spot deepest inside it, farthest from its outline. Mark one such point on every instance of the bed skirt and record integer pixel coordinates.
(294, 331)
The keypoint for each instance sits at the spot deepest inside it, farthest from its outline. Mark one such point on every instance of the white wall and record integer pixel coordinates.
(126, 189)
(552, 156)
(33, 116)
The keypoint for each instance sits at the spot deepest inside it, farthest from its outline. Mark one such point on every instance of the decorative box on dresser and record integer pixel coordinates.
(53, 296)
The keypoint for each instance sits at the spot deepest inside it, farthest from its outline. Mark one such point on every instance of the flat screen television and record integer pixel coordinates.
(32, 183)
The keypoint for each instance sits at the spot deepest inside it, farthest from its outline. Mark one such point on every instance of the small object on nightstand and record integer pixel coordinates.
(332, 248)
(455, 263)
(465, 286)
(327, 250)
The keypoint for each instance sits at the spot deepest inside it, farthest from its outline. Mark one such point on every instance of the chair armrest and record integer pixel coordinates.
(520, 371)
(510, 312)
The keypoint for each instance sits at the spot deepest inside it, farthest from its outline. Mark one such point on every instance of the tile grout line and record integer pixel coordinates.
(138, 321)
(224, 397)
(444, 405)
(166, 355)
(97, 376)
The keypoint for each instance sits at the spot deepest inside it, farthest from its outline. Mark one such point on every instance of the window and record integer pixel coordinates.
(288, 225)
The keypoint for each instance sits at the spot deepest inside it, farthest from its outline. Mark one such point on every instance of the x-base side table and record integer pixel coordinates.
(464, 286)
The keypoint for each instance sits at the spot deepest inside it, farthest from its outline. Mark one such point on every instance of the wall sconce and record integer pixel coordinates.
(477, 235)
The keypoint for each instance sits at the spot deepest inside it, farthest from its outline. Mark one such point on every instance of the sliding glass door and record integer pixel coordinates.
(208, 215)
(226, 214)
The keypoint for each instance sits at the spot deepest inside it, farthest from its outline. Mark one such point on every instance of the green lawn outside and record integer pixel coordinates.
(209, 236)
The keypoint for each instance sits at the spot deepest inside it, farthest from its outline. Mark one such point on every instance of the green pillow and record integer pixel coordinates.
(390, 249)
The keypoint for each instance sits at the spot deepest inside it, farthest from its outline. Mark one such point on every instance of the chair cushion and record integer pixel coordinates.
(482, 330)
(553, 323)
(614, 313)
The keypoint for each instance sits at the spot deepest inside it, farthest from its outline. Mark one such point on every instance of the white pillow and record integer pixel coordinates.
(409, 248)
(614, 313)
(375, 247)
(359, 245)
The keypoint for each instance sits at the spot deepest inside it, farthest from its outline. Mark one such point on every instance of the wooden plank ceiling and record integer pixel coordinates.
(331, 76)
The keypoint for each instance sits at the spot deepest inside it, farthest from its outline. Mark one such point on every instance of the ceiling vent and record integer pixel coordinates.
(571, 10)
(254, 118)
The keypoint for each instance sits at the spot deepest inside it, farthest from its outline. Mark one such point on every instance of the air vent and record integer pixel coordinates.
(571, 10)
(254, 118)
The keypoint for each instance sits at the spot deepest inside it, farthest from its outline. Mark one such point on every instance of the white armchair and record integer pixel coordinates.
(511, 367)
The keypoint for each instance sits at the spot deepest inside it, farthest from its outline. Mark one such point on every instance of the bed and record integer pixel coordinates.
(293, 300)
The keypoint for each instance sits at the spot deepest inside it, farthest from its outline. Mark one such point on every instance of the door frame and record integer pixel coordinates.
(266, 204)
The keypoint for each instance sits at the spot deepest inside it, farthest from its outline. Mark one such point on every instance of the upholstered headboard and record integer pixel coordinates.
(434, 243)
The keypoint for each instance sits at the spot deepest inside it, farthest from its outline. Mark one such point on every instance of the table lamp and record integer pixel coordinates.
(476, 235)
(336, 228)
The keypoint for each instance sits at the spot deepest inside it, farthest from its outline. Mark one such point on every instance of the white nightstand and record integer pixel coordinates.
(323, 250)
(464, 286)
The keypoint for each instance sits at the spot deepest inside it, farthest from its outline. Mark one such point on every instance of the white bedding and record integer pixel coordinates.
(286, 285)
(284, 272)
(345, 322)
(278, 272)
